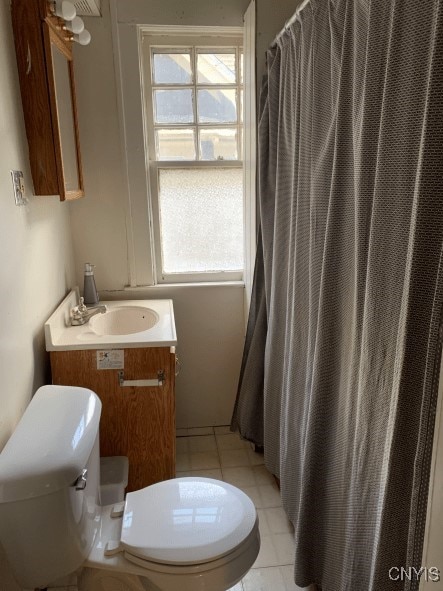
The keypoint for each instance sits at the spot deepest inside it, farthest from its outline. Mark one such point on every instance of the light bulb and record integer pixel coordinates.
(65, 10)
(84, 38)
(76, 25)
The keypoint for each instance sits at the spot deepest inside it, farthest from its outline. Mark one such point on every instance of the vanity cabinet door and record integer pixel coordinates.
(136, 421)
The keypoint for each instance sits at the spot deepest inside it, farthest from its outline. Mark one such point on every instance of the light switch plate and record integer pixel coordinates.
(18, 186)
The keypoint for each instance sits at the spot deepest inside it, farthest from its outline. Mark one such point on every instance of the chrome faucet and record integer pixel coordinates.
(81, 314)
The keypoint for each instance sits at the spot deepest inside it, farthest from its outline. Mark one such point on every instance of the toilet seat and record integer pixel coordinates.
(214, 573)
(245, 549)
(185, 522)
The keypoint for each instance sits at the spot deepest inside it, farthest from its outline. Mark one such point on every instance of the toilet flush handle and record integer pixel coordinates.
(80, 483)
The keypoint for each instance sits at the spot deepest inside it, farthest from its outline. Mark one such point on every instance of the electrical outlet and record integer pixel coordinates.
(18, 186)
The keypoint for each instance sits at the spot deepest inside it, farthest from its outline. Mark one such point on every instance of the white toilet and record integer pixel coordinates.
(185, 534)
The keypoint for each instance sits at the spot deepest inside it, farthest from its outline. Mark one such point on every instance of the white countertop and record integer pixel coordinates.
(61, 336)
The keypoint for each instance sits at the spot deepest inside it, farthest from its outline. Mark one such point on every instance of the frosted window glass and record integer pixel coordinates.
(217, 105)
(216, 68)
(173, 106)
(175, 144)
(172, 68)
(201, 219)
(218, 144)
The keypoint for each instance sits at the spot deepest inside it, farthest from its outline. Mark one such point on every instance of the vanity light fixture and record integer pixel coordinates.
(73, 23)
(64, 9)
(76, 26)
(83, 38)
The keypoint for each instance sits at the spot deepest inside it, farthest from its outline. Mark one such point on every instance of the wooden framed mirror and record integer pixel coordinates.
(60, 73)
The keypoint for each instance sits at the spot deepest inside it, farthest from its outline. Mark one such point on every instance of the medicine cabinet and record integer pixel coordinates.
(46, 74)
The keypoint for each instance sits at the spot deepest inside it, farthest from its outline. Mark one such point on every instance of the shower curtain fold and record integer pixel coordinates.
(338, 378)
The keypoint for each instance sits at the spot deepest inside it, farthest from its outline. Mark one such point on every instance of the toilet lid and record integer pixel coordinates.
(186, 521)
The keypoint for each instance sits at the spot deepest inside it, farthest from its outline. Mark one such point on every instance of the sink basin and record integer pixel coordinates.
(126, 324)
(124, 320)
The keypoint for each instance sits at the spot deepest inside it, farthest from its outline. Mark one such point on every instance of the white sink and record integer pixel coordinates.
(124, 320)
(126, 324)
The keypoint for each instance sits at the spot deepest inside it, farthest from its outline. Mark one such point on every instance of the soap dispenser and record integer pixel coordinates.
(90, 294)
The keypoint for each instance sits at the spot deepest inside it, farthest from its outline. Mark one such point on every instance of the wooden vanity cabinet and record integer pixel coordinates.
(137, 422)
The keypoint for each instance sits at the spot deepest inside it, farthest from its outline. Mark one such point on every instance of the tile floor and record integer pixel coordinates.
(215, 452)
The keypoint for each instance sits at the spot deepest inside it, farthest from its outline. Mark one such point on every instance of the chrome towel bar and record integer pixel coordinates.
(160, 381)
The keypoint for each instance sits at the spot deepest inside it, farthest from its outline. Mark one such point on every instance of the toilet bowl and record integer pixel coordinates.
(184, 534)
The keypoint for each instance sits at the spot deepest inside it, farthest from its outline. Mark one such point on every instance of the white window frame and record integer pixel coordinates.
(126, 40)
(250, 149)
(164, 41)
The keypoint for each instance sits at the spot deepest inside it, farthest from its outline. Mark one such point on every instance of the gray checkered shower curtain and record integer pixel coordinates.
(340, 368)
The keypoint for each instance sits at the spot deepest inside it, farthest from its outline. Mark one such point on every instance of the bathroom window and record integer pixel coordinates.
(193, 101)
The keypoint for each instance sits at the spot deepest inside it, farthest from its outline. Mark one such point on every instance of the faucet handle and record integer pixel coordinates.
(81, 307)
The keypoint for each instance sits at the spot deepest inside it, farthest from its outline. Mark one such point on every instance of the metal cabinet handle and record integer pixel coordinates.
(160, 381)
(80, 483)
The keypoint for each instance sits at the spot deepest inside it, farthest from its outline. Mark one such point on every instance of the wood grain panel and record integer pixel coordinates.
(138, 422)
(31, 65)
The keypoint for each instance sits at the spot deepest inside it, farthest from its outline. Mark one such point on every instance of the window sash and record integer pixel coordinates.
(153, 165)
(194, 86)
(162, 277)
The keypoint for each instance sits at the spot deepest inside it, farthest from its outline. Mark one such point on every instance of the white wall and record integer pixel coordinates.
(37, 260)
(98, 221)
(223, 13)
(37, 264)
(271, 17)
(210, 319)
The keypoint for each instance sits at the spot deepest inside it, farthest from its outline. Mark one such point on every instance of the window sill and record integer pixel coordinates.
(197, 284)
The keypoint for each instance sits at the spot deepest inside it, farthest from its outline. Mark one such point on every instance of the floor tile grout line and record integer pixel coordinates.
(211, 427)
(219, 458)
(250, 466)
(275, 566)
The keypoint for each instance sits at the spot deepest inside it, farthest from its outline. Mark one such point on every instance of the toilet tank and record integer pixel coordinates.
(49, 517)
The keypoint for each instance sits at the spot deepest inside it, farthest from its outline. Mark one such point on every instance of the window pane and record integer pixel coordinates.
(216, 68)
(201, 219)
(217, 106)
(218, 144)
(172, 68)
(175, 144)
(173, 106)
